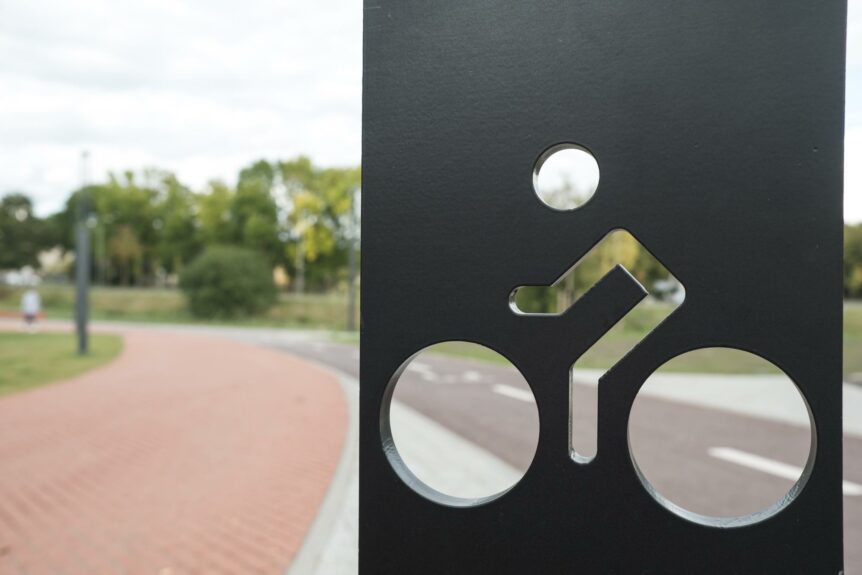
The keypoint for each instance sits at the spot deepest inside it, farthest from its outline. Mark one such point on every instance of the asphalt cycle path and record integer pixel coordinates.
(720, 458)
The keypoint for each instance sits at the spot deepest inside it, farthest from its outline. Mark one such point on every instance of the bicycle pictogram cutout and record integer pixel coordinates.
(604, 258)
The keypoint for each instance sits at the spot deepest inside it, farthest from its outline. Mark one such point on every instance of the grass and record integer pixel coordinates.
(853, 338)
(32, 359)
(632, 329)
(329, 311)
(623, 337)
(157, 305)
(609, 351)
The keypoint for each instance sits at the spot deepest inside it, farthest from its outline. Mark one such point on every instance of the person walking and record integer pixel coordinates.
(31, 306)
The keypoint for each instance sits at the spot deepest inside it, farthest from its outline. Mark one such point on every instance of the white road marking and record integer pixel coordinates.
(471, 376)
(418, 366)
(514, 393)
(772, 467)
(423, 370)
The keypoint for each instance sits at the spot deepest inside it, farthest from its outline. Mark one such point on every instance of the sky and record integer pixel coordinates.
(197, 87)
(204, 87)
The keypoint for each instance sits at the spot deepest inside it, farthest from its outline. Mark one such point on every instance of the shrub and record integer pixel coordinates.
(226, 282)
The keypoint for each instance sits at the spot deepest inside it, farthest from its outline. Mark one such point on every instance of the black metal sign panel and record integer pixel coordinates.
(718, 128)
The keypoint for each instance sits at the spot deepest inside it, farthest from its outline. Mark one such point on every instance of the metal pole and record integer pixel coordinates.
(82, 261)
(299, 286)
(99, 253)
(351, 266)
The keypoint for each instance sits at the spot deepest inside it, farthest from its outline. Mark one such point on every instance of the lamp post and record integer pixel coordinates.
(82, 259)
(353, 240)
(299, 285)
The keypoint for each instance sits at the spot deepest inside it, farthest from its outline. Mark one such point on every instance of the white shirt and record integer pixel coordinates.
(31, 304)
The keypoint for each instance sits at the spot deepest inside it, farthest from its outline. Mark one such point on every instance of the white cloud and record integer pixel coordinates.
(202, 87)
(853, 133)
(853, 174)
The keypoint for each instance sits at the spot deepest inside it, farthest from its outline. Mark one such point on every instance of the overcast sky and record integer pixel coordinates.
(203, 87)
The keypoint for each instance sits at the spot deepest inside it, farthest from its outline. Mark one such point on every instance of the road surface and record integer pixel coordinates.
(713, 461)
(693, 453)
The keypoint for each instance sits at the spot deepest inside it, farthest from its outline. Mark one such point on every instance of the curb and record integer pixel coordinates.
(311, 552)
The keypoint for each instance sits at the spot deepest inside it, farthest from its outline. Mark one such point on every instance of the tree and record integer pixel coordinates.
(320, 203)
(22, 234)
(853, 260)
(214, 213)
(178, 241)
(226, 281)
(127, 251)
(148, 222)
(255, 214)
(618, 247)
(131, 205)
(261, 171)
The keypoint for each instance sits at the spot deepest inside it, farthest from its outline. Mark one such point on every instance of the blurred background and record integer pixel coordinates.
(209, 153)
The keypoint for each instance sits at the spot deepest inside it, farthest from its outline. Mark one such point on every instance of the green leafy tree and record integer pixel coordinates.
(255, 213)
(853, 260)
(261, 171)
(216, 221)
(616, 248)
(22, 235)
(125, 249)
(294, 213)
(227, 281)
(122, 212)
(178, 238)
(318, 218)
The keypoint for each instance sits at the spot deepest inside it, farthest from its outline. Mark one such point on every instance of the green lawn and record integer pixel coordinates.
(853, 339)
(159, 305)
(329, 311)
(625, 335)
(608, 352)
(31, 359)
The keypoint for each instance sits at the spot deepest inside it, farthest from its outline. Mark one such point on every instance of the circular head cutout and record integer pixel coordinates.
(459, 424)
(721, 437)
(566, 176)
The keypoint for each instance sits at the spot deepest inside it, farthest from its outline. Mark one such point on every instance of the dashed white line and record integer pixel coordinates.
(418, 366)
(423, 370)
(513, 392)
(471, 376)
(772, 467)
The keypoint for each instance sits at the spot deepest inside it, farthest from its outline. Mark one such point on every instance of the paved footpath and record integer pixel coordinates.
(188, 454)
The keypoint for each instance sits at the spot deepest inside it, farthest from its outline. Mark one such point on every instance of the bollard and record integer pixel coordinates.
(718, 131)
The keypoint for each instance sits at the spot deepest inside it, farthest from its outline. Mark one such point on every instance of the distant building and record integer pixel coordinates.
(26, 276)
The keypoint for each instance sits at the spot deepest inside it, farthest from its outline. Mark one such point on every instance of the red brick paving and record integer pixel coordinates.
(188, 454)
